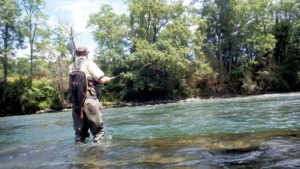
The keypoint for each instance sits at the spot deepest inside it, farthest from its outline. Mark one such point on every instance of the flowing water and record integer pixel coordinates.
(245, 132)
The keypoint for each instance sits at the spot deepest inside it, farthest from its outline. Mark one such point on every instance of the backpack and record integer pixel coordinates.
(78, 87)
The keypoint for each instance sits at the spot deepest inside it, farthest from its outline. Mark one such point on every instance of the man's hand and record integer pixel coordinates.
(103, 79)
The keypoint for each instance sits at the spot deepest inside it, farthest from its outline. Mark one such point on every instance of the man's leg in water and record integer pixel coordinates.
(80, 127)
(93, 109)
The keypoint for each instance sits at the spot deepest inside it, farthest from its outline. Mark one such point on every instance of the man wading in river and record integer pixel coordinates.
(84, 76)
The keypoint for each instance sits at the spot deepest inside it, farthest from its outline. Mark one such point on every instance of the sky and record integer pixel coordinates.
(76, 13)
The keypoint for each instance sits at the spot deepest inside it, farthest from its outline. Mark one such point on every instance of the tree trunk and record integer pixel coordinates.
(73, 43)
(61, 83)
(31, 40)
(31, 62)
(4, 78)
(61, 80)
(155, 31)
(221, 64)
(31, 52)
(5, 59)
(230, 63)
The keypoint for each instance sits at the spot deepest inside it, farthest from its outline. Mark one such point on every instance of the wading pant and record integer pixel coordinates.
(92, 119)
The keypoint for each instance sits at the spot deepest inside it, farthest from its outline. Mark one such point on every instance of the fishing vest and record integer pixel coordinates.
(82, 88)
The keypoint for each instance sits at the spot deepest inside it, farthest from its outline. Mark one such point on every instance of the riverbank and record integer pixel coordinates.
(152, 102)
(190, 99)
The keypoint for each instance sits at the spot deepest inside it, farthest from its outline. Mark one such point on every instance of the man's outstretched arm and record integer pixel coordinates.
(103, 79)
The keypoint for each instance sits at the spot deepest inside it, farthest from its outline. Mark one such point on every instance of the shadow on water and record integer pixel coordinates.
(274, 149)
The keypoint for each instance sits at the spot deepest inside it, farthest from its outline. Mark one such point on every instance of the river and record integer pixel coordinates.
(244, 132)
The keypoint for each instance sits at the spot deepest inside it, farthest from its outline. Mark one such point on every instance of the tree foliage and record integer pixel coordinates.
(154, 49)
(11, 36)
(34, 20)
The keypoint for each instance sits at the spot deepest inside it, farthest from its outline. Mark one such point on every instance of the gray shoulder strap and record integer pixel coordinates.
(78, 64)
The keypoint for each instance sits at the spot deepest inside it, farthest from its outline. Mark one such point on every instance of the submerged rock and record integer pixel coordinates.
(157, 158)
(234, 146)
(240, 142)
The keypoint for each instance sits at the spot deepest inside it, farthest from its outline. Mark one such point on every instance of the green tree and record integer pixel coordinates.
(286, 53)
(59, 51)
(23, 66)
(239, 32)
(159, 48)
(155, 50)
(111, 33)
(148, 17)
(34, 20)
(218, 15)
(11, 36)
(226, 20)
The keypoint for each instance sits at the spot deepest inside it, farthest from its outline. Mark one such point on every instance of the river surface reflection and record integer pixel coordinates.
(245, 132)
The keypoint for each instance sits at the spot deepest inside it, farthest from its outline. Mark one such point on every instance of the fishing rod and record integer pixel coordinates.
(115, 77)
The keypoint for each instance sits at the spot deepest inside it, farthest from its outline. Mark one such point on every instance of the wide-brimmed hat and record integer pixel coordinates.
(81, 50)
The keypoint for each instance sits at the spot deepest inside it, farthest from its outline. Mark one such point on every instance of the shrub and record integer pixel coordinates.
(21, 99)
